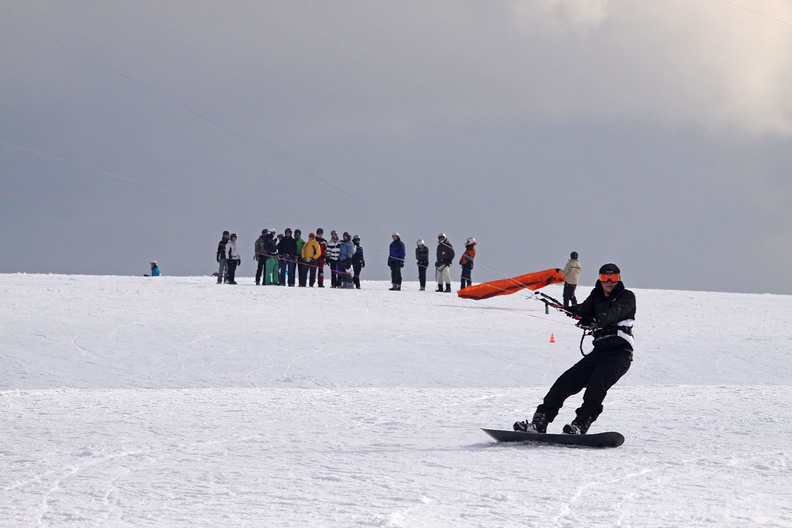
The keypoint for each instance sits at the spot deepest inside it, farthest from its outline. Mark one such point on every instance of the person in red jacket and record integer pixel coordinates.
(466, 261)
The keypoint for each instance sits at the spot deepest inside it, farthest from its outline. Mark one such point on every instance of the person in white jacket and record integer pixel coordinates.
(571, 274)
(233, 259)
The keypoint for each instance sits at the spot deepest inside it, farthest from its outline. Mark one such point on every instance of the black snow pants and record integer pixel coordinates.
(597, 372)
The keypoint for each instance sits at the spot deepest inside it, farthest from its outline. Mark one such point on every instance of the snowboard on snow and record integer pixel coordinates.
(608, 439)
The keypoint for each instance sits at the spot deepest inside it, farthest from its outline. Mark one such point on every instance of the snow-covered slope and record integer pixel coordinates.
(174, 401)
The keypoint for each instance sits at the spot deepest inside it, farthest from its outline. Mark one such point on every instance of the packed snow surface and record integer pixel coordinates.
(174, 401)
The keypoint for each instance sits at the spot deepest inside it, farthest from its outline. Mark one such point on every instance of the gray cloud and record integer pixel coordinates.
(654, 134)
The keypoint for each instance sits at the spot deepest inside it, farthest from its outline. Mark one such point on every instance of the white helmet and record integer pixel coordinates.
(419, 243)
(395, 233)
(470, 241)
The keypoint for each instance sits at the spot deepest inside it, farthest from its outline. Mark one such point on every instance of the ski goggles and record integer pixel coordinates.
(609, 277)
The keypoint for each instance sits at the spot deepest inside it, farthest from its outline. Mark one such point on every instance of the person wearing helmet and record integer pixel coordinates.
(445, 256)
(155, 271)
(422, 256)
(467, 262)
(358, 261)
(333, 249)
(608, 313)
(571, 273)
(396, 261)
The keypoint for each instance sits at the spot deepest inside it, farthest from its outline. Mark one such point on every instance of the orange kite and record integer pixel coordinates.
(532, 281)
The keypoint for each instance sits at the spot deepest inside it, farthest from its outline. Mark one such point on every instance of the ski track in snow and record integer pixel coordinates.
(139, 402)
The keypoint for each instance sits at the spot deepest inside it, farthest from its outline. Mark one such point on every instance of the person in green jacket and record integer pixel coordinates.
(300, 243)
(272, 266)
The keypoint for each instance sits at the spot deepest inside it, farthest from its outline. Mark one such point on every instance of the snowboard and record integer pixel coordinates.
(609, 439)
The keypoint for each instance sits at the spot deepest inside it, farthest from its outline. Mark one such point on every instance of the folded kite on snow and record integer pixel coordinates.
(532, 281)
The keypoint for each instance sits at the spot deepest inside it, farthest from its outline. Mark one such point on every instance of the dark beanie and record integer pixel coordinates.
(610, 268)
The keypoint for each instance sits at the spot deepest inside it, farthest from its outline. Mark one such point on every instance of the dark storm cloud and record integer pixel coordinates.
(657, 136)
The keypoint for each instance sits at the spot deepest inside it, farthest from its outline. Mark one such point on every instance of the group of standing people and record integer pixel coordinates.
(288, 260)
(444, 259)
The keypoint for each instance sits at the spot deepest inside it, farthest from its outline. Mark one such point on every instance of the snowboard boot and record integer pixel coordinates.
(439, 288)
(578, 426)
(448, 288)
(537, 425)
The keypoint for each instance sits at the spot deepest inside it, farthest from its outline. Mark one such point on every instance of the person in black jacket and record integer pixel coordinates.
(609, 313)
(287, 252)
(221, 257)
(396, 255)
(445, 256)
(358, 261)
(422, 256)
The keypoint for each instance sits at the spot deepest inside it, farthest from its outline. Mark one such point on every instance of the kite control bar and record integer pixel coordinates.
(550, 302)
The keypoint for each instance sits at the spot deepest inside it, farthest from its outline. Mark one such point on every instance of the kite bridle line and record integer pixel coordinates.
(550, 302)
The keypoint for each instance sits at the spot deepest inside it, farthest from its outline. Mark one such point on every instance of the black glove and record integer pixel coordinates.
(362, 263)
(587, 322)
(239, 262)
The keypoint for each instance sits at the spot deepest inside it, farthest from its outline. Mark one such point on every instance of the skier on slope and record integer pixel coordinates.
(609, 312)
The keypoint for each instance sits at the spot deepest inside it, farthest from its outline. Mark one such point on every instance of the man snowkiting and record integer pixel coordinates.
(608, 313)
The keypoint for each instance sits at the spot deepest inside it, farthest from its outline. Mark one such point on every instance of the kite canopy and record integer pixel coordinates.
(531, 281)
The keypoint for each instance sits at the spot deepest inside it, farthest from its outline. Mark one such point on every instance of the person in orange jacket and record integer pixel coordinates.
(466, 261)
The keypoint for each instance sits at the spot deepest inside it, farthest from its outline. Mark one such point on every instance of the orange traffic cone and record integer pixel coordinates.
(552, 338)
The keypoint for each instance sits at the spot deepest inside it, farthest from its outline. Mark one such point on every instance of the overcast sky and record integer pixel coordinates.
(656, 135)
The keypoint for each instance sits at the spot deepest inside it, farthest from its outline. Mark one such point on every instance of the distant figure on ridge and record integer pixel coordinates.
(311, 254)
(358, 261)
(396, 255)
(321, 261)
(260, 255)
(571, 274)
(445, 256)
(346, 251)
(221, 258)
(467, 262)
(422, 257)
(233, 259)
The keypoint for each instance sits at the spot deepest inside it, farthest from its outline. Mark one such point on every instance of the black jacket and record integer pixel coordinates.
(445, 253)
(422, 255)
(287, 247)
(221, 249)
(612, 315)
